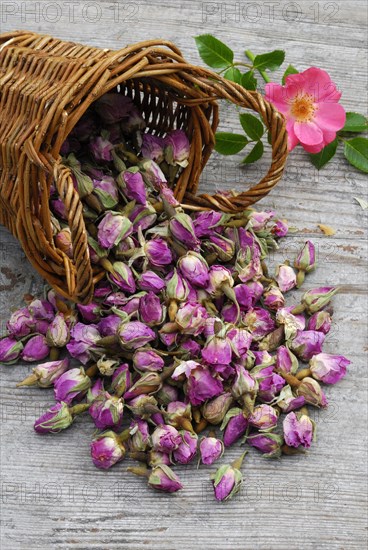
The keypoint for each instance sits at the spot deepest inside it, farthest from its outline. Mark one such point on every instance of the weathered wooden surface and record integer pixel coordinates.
(51, 495)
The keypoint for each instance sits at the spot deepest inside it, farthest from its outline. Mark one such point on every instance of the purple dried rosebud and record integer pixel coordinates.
(83, 341)
(292, 323)
(285, 277)
(107, 411)
(273, 298)
(182, 229)
(166, 438)
(298, 430)
(177, 148)
(142, 217)
(259, 220)
(191, 318)
(287, 401)
(258, 322)
(59, 209)
(109, 325)
(58, 334)
(243, 383)
(132, 184)
(227, 480)
(217, 350)
(152, 173)
(10, 349)
(215, 409)
(158, 252)
(106, 191)
(280, 229)
(211, 449)
(201, 385)
(205, 222)
(194, 268)
(58, 417)
(268, 443)
(263, 417)
(147, 360)
(41, 309)
(113, 228)
(176, 287)
(305, 260)
(317, 298)
(143, 406)
(148, 383)
(270, 383)
(71, 384)
(95, 390)
(307, 343)
(101, 149)
(187, 448)
(107, 449)
(312, 392)
(328, 368)
(167, 394)
(320, 321)
(149, 280)
(163, 478)
(20, 323)
(113, 107)
(286, 360)
(46, 374)
(179, 415)
(248, 260)
(35, 349)
(122, 276)
(134, 335)
(150, 310)
(235, 425)
(153, 147)
(241, 340)
(219, 278)
(90, 312)
(121, 380)
(224, 248)
(140, 436)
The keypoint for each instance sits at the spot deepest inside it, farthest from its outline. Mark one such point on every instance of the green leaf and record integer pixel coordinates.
(355, 123)
(214, 52)
(270, 60)
(229, 144)
(356, 152)
(252, 126)
(248, 81)
(320, 159)
(290, 70)
(255, 153)
(233, 74)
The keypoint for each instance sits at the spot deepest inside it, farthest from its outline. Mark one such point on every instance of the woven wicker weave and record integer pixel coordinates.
(46, 85)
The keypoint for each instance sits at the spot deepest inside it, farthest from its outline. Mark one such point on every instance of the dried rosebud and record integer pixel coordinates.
(10, 349)
(134, 335)
(328, 368)
(292, 323)
(147, 360)
(113, 228)
(58, 417)
(140, 436)
(205, 222)
(241, 340)
(211, 449)
(153, 147)
(46, 374)
(285, 277)
(298, 430)
(268, 443)
(35, 349)
(194, 268)
(163, 478)
(113, 107)
(58, 332)
(235, 425)
(41, 309)
(280, 229)
(122, 276)
(223, 248)
(320, 321)
(20, 323)
(101, 149)
(121, 380)
(107, 411)
(63, 241)
(264, 417)
(95, 390)
(244, 383)
(215, 409)
(219, 277)
(273, 298)
(307, 343)
(90, 312)
(177, 148)
(259, 322)
(148, 383)
(258, 220)
(142, 217)
(201, 385)
(176, 287)
(191, 319)
(187, 448)
(156, 458)
(167, 394)
(143, 405)
(287, 401)
(227, 480)
(149, 280)
(312, 392)
(83, 341)
(158, 252)
(317, 298)
(132, 184)
(270, 383)
(106, 191)
(305, 260)
(109, 325)
(286, 360)
(182, 229)
(165, 438)
(151, 311)
(217, 350)
(152, 173)
(71, 384)
(107, 449)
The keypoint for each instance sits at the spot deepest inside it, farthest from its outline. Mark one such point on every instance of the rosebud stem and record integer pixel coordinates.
(107, 341)
(107, 265)
(290, 379)
(138, 455)
(239, 461)
(139, 471)
(124, 435)
(286, 450)
(298, 309)
(200, 426)
(54, 353)
(31, 380)
(303, 373)
(300, 278)
(78, 409)
(172, 310)
(167, 372)
(92, 371)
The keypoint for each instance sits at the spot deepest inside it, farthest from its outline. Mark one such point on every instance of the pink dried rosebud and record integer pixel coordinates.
(147, 360)
(58, 332)
(163, 478)
(317, 298)
(223, 248)
(91, 313)
(280, 229)
(177, 148)
(273, 298)
(227, 480)
(109, 325)
(155, 458)
(298, 430)
(10, 349)
(58, 417)
(258, 322)
(194, 268)
(101, 149)
(268, 443)
(63, 241)
(143, 405)
(176, 287)
(320, 321)
(307, 343)
(259, 220)
(244, 383)
(264, 417)
(285, 277)
(150, 310)
(134, 335)
(121, 380)
(179, 414)
(182, 229)
(106, 191)
(244, 296)
(191, 319)
(132, 184)
(20, 323)
(217, 350)
(211, 449)
(201, 385)
(107, 411)
(312, 392)
(142, 217)
(46, 374)
(158, 252)
(187, 448)
(113, 228)
(235, 425)
(219, 277)
(328, 368)
(152, 173)
(292, 323)
(167, 394)
(122, 276)
(287, 401)
(107, 449)
(165, 438)
(241, 340)
(41, 309)
(148, 383)
(140, 436)
(113, 107)
(306, 259)
(83, 341)
(286, 360)
(215, 409)
(95, 390)
(35, 349)
(270, 383)
(153, 147)
(149, 280)
(71, 384)
(205, 222)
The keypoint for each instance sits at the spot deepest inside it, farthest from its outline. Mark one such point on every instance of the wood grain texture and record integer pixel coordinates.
(51, 495)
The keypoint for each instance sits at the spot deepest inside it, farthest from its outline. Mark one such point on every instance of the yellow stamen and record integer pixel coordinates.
(303, 108)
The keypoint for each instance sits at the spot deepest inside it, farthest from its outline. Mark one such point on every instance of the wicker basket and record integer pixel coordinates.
(47, 84)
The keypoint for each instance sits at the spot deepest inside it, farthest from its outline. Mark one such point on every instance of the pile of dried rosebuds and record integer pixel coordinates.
(187, 331)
